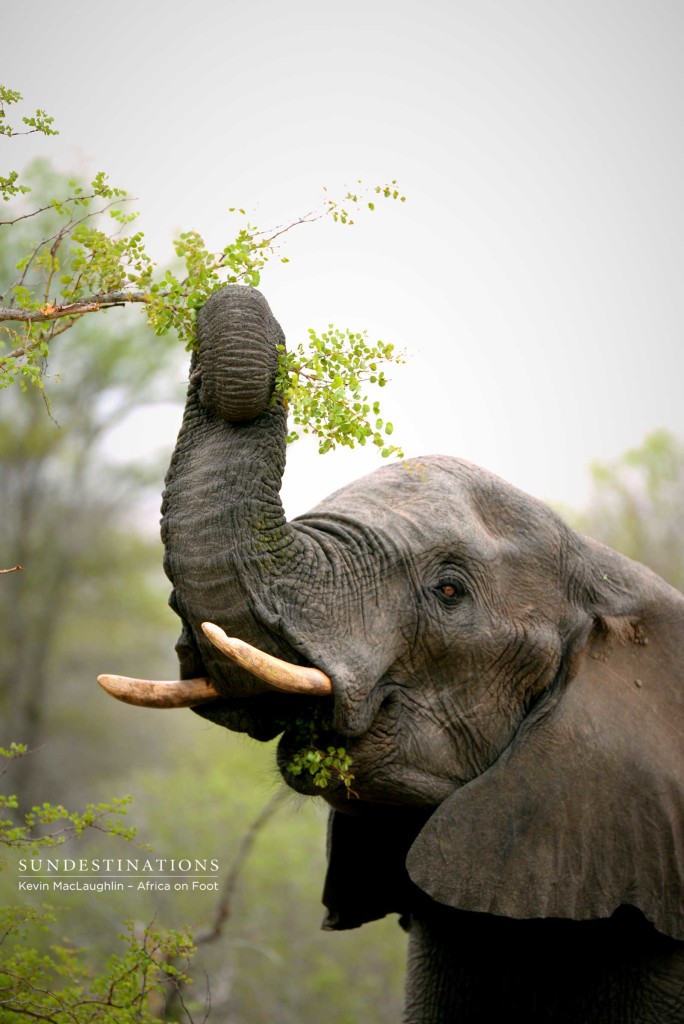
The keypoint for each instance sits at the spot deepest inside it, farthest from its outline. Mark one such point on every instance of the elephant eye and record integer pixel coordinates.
(449, 591)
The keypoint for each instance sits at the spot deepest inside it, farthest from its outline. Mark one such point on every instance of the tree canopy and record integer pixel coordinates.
(637, 505)
(83, 257)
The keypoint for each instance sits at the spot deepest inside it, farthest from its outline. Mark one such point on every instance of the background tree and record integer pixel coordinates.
(67, 508)
(637, 505)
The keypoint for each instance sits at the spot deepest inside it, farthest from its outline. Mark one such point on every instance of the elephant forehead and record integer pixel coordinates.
(440, 500)
(416, 489)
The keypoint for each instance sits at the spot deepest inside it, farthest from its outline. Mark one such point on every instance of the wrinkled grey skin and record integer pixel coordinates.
(512, 696)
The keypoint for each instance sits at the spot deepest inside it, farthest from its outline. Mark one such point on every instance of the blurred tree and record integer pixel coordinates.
(92, 594)
(67, 506)
(273, 962)
(637, 505)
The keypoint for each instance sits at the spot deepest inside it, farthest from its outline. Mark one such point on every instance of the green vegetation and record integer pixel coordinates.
(57, 983)
(271, 961)
(31, 834)
(322, 385)
(637, 505)
(323, 764)
(83, 257)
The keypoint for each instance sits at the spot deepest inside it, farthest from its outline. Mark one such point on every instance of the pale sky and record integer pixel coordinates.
(534, 274)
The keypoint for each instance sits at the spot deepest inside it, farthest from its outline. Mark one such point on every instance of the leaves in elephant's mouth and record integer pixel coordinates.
(323, 764)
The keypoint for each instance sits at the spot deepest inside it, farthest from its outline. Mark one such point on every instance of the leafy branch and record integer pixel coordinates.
(89, 260)
(80, 269)
(322, 384)
(101, 817)
(38, 122)
(57, 987)
(85, 265)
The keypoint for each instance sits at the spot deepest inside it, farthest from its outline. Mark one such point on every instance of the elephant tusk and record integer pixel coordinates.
(149, 693)
(280, 674)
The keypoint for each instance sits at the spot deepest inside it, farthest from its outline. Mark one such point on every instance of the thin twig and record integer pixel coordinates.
(224, 907)
(64, 202)
(309, 218)
(222, 911)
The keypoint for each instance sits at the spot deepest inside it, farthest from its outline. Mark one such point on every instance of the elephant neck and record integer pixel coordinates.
(476, 967)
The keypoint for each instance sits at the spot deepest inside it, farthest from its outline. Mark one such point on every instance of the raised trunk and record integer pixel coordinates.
(223, 526)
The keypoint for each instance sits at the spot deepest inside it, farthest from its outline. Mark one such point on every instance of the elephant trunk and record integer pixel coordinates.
(223, 525)
(237, 338)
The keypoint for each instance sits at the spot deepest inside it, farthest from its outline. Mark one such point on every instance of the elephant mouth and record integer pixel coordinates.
(261, 717)
(314, 758)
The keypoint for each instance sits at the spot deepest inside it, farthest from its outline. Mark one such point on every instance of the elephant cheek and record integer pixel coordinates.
(442, 746)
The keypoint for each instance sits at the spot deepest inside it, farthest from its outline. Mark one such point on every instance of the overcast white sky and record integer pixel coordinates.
(535, 273)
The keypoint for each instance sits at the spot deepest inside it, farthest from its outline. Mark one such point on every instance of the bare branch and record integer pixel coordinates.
(224, 906)
(223, 909)
(15, 568)
(308, 218)
(92, 304)
(48, 206)
(69, 314)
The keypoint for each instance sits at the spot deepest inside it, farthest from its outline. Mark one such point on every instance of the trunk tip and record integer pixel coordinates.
(238, 339)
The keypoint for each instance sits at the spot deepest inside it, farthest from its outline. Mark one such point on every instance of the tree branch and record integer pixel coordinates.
(308, 218)
(81, 200)
(223, 908)
(222, 911)
(92, 304)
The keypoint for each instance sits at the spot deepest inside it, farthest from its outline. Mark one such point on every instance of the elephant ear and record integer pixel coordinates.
(584, 812)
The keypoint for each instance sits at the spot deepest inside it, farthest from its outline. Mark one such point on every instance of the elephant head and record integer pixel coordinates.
(511, 694)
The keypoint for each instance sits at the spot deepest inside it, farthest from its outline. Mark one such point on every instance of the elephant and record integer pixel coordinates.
(510, 693)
